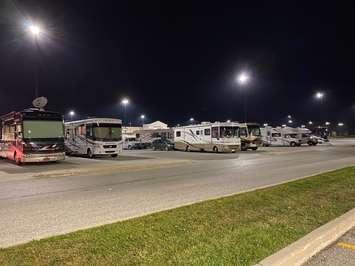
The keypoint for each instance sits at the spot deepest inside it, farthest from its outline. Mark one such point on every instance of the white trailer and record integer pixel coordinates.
(216, 137)
(94, 136)
(287, 136)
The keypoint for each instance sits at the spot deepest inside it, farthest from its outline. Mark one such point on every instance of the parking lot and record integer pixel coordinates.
(42, 200)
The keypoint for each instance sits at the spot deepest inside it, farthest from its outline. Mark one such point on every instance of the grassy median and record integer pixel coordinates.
(241, 229)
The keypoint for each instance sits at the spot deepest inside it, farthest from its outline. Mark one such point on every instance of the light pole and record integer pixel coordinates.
(319, 96)
(243, 79)
(35, 31)
(71, 114)
(142, 117)
(125, 102)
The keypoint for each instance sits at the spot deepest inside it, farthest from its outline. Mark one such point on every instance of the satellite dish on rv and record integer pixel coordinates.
(40, 102)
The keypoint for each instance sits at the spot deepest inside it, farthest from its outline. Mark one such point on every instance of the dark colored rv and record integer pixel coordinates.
(32, 135)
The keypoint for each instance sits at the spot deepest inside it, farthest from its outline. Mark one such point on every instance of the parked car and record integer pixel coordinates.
(163, 144)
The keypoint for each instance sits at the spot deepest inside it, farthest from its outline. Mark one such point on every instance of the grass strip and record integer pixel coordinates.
(235, 230)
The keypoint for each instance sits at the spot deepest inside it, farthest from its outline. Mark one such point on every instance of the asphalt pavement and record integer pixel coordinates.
(342, 252)
(38, 201)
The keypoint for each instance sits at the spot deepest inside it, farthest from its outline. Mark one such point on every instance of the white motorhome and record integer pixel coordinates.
(94, 136)
(250, 136)
(216, 137)
(287, 136)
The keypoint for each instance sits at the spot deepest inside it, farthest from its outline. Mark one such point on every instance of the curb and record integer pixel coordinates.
(303, 249)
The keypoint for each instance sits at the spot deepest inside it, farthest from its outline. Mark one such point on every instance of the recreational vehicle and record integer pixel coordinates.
(32, 135)
(287, 136)
(250, 136)
(216, 137)
(94, 136)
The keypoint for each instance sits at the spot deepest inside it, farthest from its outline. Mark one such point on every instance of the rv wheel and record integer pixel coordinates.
(114, 155)
(293, 144)
(17, 159)
(187, 148)
(89, 154)
(215, 149)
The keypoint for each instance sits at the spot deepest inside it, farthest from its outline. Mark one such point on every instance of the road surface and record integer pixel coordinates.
(38, 201)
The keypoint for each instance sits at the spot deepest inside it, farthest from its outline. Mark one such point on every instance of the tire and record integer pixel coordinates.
(293, 144)
(17, 159)
(254, 148)
(166, 148)
(89, 154)
(215, 149)
(114, 155)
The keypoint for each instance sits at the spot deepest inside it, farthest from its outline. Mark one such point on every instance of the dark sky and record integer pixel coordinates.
(177, 59)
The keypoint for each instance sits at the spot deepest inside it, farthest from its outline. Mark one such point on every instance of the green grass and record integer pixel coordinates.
(236, 230)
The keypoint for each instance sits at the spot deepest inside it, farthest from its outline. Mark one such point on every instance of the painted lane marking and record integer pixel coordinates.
(346, 245)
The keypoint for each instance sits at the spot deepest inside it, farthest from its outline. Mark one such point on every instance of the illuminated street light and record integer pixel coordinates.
(327, 123)
(289, 116)
(290, 121)
(192, 119)
(340, 124)
(265, 125)
(228, 121)
(243, 78)
(319, 95)
(310, 123)
(303, 126)
(125, 101)
(142, 117)
(284, 125)
(35, 29)
(71, 113)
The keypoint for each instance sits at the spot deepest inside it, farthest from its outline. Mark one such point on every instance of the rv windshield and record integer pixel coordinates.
(42, 129)
(110, 132)
(254, 130)
(229, 132)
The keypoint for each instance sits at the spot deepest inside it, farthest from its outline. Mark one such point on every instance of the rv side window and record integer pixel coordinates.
(178, 133)
(197, 132)
(215, 131)
(276, 135)
(207, 131)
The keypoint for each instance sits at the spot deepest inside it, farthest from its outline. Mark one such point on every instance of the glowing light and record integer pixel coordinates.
(290, 121)
(228, 121)
(319, 95)
(310, 123)
(125, 101)
(142, 116)
(283, 125)
(303, 126)
(340, 124)
(327, 123)
(71, 113)
(243, 78)
(192, 119)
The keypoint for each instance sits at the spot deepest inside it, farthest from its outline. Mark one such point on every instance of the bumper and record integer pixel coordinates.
(106, 151)
(36, 158)
(231, 148)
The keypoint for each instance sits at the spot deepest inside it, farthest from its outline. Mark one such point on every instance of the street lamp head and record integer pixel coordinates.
(243, 78)
(228, 121)
(290, 121)
(327, 123)
(289, 116)
(340, 124)
(319, 95)
(71, 113)
(34, 29)
(125, 101)
(310, 123)
(142, 117)
(192, 119)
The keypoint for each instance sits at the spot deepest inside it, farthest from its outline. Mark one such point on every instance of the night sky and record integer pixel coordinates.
(177, 59)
